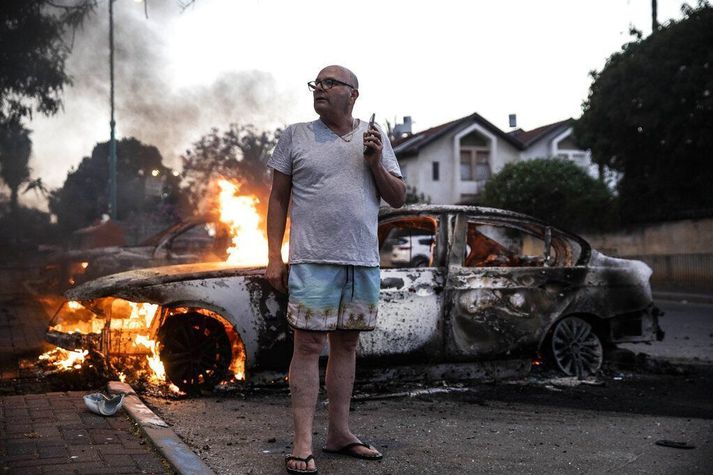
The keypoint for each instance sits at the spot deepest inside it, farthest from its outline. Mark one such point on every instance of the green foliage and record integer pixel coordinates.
(649, 115)
(140, 196)
(15, 150)
(239, 154)
(553, 189)
(414, 197)
(34, 44)
(21, 231)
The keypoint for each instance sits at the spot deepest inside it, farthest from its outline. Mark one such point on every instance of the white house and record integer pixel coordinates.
(451, 162)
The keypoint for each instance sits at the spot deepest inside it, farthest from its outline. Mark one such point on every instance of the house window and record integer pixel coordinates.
(435, 171)
(474, 164)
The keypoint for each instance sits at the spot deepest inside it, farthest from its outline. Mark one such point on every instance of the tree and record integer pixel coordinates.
(34, 44)
(414, 197)
(240, 154)
(649, 114)
(145, 188)
(555, 190)
(15, 149)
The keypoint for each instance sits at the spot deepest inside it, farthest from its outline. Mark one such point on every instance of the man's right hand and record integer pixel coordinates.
(276, 274)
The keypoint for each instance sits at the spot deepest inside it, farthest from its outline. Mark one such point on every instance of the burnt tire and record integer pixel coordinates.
(575, 347)
(195, 351)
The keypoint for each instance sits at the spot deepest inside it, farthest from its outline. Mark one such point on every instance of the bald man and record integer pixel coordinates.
(334, 170)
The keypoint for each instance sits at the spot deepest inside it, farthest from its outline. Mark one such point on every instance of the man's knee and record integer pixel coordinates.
(308, 343)
(343, 341)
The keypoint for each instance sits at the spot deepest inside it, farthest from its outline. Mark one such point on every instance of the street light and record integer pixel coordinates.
(112, 122)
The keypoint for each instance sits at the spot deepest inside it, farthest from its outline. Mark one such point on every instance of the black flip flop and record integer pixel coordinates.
(299, 459)
(347, 451)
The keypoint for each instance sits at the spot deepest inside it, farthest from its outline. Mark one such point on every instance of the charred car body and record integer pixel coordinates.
(196, 239)
(494, 284)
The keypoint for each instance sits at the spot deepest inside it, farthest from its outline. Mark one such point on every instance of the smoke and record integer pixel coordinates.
(148, 103)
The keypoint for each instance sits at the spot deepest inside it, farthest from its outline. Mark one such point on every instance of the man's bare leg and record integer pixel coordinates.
(304, 386)
(340, 383)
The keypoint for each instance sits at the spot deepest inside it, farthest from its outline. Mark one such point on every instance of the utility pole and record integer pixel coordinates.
(654, 15)
(112, 123)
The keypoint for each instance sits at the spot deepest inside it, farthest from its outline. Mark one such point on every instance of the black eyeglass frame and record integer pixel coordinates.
(312, 85)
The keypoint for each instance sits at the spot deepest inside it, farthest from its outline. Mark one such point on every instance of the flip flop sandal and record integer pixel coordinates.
(299, 459)
(348, 451)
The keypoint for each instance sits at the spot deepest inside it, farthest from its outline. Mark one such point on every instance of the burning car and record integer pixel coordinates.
(494, 284)
(195, 239)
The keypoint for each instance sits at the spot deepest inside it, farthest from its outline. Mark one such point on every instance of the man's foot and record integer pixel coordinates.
(295, 464)
(356, 449)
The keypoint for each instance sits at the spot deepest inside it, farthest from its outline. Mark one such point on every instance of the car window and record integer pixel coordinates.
(496, 245)
(407, 242)
(517, 245)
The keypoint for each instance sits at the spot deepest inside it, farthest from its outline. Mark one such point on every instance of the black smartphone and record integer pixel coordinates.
(368, 150)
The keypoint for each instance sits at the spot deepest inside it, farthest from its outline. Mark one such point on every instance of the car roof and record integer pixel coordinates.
(386, 211)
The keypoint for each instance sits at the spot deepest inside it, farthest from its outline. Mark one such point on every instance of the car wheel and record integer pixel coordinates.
(576, 348)
(195, 351)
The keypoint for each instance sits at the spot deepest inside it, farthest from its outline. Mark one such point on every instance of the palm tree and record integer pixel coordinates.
(15, 150)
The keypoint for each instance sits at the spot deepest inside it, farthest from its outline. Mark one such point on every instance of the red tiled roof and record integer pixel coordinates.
(411, 145)
(527, 138)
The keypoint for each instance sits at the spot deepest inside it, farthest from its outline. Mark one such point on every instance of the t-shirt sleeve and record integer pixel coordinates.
(388, 156)
(281, 158)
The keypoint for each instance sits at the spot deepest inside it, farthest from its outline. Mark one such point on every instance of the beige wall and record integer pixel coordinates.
(690, 236)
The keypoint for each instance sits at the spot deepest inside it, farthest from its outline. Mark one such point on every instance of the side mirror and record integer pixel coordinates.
(548, 246)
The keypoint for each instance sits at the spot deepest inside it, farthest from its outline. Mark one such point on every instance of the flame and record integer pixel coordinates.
(239, 213)
(249, 245)
(159, 372)
(65, 359)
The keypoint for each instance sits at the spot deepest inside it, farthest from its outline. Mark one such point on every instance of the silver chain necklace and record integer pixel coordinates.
(350, 135)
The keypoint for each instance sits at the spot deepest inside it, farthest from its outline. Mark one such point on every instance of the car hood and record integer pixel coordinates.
(115, 283)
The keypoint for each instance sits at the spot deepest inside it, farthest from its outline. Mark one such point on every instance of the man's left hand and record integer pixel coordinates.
(372, 147)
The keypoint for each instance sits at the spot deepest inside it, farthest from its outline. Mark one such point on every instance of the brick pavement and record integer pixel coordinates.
(55, 433)
(23, 323)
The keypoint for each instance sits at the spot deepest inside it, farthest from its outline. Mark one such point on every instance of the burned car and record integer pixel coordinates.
(195, 239)
(494, 285)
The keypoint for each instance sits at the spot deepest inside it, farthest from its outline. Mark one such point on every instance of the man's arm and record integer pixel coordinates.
(276, 272)
(391, 188)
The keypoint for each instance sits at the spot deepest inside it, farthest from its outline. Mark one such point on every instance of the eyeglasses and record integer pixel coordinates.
(326, 84)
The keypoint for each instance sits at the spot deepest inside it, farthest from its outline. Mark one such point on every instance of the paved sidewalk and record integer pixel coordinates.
(23, 324)
(55, 433)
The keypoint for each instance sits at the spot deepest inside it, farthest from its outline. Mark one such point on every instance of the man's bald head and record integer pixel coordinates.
(341, 73)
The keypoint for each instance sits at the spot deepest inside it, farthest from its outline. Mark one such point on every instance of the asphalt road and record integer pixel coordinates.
(689, 333)
(544, 424)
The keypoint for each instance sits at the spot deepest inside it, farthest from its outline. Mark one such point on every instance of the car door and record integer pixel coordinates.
(503, 289)
(413, 250)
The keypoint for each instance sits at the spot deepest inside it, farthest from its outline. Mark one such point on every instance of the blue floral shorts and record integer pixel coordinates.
(327, 297)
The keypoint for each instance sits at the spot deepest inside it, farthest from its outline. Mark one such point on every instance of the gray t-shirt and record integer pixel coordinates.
(335, 203)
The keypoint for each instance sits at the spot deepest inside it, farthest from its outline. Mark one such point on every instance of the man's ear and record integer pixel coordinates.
(355, 94)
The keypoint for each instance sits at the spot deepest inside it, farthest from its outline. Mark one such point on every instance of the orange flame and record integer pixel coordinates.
(65, 359)
(239, 213)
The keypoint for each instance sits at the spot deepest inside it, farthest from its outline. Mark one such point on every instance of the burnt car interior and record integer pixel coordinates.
(504, 245)
(408, 242)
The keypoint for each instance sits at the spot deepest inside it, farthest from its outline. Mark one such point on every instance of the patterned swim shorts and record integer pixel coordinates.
(327, 297)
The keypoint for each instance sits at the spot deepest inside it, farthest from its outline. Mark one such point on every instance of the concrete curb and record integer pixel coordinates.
(183, 460)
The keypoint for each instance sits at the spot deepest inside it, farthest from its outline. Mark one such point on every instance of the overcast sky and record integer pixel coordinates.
(247, 61)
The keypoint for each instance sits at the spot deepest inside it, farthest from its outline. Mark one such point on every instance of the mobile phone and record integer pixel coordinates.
(368, 150)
